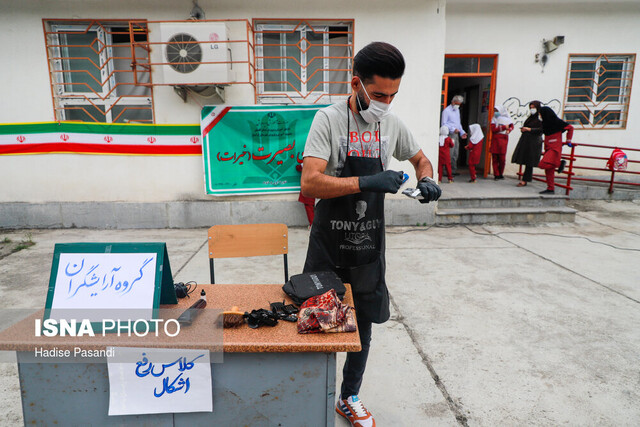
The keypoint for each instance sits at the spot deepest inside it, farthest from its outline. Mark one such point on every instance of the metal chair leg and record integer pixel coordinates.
(286, 269)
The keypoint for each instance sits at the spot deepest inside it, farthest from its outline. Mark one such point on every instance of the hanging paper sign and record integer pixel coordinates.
(156, 380)
(103, 138)
(254, 149)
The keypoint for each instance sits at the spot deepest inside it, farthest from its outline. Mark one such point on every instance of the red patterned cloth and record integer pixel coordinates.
(325, 313)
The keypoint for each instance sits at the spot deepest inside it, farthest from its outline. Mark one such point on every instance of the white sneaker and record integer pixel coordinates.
(354, 411)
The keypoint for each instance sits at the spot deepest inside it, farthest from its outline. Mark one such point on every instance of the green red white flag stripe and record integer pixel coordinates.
(212, 118)
(85, 138)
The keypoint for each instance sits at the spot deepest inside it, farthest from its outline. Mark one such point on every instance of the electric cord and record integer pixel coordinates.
(423, 228)
(513, 232)
(409, 230)
(185, 289)
(607, 225)
(553, 235)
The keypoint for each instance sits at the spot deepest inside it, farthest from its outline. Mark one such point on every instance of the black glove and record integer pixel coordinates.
(382, 182)
(429, 189)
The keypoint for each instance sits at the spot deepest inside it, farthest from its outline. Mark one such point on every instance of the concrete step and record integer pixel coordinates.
(501, 202)
(509, 215)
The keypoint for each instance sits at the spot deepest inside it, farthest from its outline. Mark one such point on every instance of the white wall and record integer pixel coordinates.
(416, 27)
(515, 33)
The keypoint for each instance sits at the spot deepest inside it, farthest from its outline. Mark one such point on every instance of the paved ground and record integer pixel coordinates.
(491, 325)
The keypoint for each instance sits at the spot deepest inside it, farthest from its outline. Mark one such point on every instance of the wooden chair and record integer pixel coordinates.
(230, 241)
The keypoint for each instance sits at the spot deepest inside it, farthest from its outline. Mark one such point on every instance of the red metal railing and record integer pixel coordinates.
(573, 159)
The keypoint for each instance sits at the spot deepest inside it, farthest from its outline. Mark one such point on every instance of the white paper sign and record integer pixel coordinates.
(97, 281)
(157, 380)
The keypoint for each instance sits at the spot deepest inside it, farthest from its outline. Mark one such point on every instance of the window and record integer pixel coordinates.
(91, 76)
(461, 65)
(469, 64)
(598, 91)
(303, 61)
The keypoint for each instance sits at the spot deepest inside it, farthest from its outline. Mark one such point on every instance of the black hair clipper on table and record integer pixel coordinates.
(261, 317)
(284, 312)
(192, 312)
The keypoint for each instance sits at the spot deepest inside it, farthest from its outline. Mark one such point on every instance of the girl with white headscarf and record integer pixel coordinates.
(501, 127)
(444, 155)
(475, 149)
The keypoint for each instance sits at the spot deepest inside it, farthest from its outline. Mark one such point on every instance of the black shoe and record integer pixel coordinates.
(499, 177)
(547, 191)
(562, 164)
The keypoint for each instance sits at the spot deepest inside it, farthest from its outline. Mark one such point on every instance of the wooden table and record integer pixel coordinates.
(268, 376)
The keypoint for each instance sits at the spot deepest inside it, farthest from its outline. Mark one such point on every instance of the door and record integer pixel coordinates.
(474, 77)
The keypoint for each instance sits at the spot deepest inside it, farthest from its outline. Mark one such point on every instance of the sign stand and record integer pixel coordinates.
(90, 278)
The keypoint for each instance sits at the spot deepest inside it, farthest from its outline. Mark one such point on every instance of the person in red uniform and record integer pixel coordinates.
(444, 153)
(475, 149)
(501, 127)
(552, 128)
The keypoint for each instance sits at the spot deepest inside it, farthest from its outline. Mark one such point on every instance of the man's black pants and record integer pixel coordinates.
(356, 362)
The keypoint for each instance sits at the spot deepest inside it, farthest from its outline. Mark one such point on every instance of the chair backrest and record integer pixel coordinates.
(246, 240)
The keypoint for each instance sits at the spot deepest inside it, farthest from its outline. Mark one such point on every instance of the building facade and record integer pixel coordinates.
(100, 62)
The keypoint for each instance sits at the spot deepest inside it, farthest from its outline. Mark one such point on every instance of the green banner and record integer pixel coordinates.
(254, 149)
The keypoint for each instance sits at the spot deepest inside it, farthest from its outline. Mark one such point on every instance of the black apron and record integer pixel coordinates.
(347, 236)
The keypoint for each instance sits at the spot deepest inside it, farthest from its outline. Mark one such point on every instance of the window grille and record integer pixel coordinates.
(91, 75)
(303, 61)
(598, 90)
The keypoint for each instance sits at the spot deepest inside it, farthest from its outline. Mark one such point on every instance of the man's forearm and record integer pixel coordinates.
(321, 186)
(423, 168)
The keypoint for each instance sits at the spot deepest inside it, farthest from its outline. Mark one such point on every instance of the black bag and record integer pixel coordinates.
(301, 287)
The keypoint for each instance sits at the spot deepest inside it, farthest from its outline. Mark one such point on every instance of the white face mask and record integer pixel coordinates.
(533, 111)
(376, 111)
(456, 107)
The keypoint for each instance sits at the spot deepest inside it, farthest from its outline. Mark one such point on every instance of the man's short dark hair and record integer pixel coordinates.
(379, 59)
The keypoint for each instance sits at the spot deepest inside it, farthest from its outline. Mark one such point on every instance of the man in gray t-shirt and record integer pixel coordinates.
(328, 139)
(346, 162)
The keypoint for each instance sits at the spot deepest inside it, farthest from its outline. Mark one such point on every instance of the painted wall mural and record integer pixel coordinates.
(519, 111)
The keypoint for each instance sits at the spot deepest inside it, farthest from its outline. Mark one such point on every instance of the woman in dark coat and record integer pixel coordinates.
(529, 148)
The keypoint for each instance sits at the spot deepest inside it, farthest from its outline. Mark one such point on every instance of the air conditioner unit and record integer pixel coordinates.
(190, 53)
